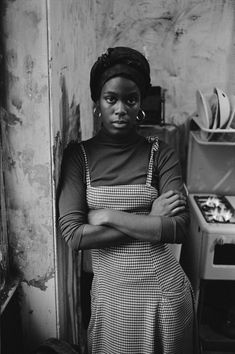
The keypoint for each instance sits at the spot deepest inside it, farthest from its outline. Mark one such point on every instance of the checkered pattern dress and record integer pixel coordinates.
(141, 302)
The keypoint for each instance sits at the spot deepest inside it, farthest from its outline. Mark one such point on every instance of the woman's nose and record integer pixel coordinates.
(120, 108)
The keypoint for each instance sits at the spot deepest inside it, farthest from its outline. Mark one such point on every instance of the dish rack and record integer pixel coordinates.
(212, 136)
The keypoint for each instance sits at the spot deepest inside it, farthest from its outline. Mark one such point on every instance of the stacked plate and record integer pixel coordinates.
(215, 112)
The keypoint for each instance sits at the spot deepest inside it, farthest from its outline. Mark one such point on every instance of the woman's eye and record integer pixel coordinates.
(110, 99)
(132, 100)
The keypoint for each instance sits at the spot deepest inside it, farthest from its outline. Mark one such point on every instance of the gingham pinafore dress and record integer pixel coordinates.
(141, 301)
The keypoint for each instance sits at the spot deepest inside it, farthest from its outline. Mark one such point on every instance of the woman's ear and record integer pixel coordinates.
(96, 110)
(96, 117)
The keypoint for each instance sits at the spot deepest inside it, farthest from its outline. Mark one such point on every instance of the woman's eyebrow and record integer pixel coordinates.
(110, 92)
(134, 92)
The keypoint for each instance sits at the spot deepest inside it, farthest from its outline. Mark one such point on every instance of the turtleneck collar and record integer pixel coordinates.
(103, 137)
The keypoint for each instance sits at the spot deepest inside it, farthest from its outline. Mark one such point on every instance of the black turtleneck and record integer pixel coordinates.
(115, 161)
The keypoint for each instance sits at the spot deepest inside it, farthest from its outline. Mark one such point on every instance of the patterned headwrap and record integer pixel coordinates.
(120, 61)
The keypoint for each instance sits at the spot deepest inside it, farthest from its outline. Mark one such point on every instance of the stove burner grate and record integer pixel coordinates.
(216, 209)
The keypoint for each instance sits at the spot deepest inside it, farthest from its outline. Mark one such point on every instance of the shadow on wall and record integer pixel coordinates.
(69, 116)
(70, 129)
(69, 263)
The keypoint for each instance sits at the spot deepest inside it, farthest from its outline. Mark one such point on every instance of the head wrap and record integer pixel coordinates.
(120, 61)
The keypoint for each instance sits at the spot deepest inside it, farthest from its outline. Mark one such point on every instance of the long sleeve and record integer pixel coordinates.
(167, 176)
(72, 196)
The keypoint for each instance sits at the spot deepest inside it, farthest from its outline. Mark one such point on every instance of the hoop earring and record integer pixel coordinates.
(140, 119)
(95, 113)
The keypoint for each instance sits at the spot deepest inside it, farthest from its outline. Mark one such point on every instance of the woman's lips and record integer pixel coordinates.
(125, 120)
(120, 123)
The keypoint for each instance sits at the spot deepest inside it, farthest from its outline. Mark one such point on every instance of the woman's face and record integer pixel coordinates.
(119, 105)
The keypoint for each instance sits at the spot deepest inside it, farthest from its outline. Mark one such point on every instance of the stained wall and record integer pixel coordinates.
(72, 51)
(189, 43)
(48, 46)
(28, 164)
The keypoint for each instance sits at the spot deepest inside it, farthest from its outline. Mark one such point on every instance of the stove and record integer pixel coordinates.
(209, 250)
(208, 254)
(216, 209)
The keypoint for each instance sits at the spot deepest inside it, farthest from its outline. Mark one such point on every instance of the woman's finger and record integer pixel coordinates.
(177, 210)
(178, 202)
(177, 197)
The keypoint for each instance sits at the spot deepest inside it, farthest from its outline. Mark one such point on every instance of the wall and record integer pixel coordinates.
(28, 165)
(48, 47)
(72, 52)
(190, 45)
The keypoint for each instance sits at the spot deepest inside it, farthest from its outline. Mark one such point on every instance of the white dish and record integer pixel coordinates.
(214, 105)
(203, 110)
(224, 108)
(231, 120)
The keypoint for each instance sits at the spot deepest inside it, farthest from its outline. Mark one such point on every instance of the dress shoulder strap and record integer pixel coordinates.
(88, 180)
(155, 146)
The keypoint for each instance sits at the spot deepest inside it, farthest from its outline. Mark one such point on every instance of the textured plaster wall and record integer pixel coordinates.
(28, 164)
(72, 52)
(49, 47)
(190, 44)
(28, 169)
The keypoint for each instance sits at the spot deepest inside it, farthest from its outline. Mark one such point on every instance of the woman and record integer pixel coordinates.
(122, 197)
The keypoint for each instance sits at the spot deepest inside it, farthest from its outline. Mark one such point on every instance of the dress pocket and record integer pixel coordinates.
(176, 318)
(179, 288)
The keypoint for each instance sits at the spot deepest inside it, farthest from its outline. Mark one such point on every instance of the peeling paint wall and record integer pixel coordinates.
(28, 172)
(28, 167)
(72, 52)
(72, 49)
(49, 47)
(190, 44)
(72, 41)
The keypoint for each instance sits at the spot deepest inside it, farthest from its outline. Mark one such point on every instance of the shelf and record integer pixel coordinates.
(8, 291)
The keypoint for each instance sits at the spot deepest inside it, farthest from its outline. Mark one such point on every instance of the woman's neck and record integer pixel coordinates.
(129, 138)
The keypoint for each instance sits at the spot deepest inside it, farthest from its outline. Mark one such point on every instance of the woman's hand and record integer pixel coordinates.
(97, 217)
(168, 204)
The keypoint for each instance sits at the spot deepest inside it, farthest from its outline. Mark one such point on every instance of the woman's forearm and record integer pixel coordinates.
(101, 237)
(166, 221)
(140, 227)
